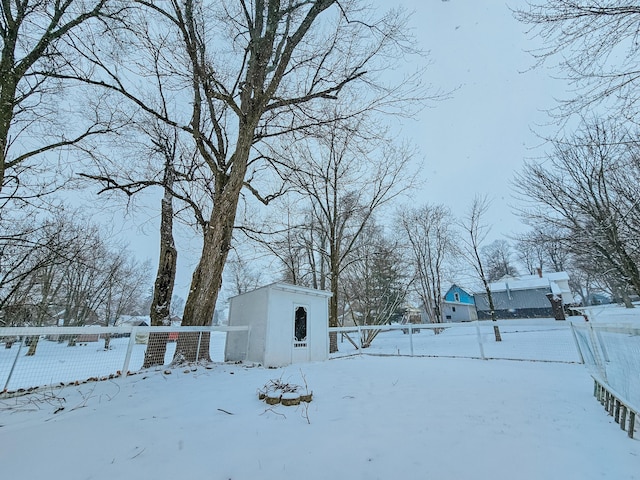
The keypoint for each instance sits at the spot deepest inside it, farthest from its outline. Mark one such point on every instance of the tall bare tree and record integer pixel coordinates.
(347, 179)
(475, 234)
(429, 234)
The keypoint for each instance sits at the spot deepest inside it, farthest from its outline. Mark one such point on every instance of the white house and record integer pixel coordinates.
(288, 324)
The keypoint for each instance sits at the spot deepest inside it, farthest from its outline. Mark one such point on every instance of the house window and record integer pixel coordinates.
(456, 296)
(453, 308)
(300, 328)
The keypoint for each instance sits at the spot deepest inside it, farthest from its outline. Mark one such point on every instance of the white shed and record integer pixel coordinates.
(288, 324)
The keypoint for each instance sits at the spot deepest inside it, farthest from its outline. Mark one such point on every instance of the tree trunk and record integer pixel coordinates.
(163, 288)
(33, 345)
(333, 302)
(496, 329)
(207, 277)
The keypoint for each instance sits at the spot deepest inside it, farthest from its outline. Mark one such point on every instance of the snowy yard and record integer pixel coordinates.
(371, 417)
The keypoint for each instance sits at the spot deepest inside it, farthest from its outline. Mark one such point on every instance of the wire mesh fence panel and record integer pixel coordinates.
(620, 349)
(39, 360)
(589, 350)
(33, 357)
(540, 340)
(612, 354)
(448, 340)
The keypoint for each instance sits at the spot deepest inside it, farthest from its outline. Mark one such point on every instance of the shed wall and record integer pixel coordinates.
(279, 349)
(250, 310)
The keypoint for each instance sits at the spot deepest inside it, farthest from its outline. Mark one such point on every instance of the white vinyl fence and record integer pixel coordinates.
(66, 355)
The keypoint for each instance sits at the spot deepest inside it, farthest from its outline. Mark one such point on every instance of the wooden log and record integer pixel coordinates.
(289, 399)
(272, 398)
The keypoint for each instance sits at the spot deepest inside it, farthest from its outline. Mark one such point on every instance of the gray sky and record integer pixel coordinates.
(475, 141)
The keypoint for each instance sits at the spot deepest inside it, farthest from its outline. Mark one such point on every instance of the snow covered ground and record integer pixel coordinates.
(370, 418)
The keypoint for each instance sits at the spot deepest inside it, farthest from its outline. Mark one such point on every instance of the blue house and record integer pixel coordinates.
(458, 306)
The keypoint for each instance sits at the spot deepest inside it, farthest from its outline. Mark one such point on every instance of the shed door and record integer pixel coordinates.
(300, 338)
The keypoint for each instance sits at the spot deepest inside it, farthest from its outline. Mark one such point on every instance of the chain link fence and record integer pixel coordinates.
(32, 357)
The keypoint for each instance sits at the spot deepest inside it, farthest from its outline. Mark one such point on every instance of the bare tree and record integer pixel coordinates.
(347, 179)
(35, 57)
(375, 283)
(428, 233)
(243, 277)
(497, 260)
(581, 192)
(68, 267)
(595, 45)
(530, 251)
(34, 256)
(295, 237)
(475, 234)
(543, 248)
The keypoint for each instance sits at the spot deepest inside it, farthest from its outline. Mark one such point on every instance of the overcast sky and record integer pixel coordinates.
(475, 141)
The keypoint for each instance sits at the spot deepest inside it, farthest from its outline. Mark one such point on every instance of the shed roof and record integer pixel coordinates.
(287, 287)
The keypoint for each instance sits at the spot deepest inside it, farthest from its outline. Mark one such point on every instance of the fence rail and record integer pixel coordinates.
(32, 357)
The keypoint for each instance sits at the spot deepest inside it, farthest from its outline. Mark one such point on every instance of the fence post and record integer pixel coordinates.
(127, 357)
(13, 365)
(479, 335)
(575, 340)
(198, 348)
(596, 353)
(359, 339)
(411, 338)
(603, 348)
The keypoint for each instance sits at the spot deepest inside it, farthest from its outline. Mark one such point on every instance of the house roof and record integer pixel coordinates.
(458, 287)
(551, 280)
